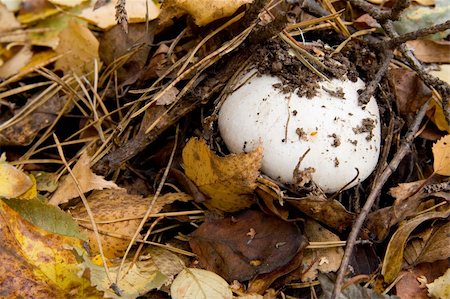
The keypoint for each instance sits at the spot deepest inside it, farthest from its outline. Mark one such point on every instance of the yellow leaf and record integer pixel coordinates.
(79, 48)
(203, 12)
(13, 182)
(194, 283)
(441, 154)
(104, 17)
(32, 191)
(440, 287)
(70, 3)
(49, 259)
(228, 181)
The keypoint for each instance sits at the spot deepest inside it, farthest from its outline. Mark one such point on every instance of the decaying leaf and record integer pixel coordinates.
(330, 212)
(324, 260)
(70, 3)
(120, 214)
(203, 12)
(435, 247)
(242, 246)
(77, 43)
(430, 51)
(43, 115)
(38, 261)
(351, 292)
(86, 178)
(104, 16)
(440, 287)
(228, 181)
(137, 278)
(441, 154)
(393, 259)
(13, 182)
(194, 283)
(19, 60)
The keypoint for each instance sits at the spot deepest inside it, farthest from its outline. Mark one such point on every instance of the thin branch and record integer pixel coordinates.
(382, 14)
(401, 153)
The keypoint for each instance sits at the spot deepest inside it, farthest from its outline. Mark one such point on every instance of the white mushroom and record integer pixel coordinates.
(330, 137)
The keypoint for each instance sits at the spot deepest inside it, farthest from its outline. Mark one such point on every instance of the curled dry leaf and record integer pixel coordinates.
(203, 12)
(226, 247)
(199, 284)
(120, 214)
(441, 154)
(393, 260)
(430, 51)
(435, 247)
(228, 181)
(330, 212)
(86, 178)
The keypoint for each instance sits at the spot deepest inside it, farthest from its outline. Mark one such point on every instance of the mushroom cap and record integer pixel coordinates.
(338, 138)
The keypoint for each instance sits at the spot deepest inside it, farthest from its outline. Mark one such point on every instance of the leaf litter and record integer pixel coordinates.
(68, 69)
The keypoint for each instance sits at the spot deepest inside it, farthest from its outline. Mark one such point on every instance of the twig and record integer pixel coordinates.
(365, 96)
(382, 14)
(394, 42)
(401, 153)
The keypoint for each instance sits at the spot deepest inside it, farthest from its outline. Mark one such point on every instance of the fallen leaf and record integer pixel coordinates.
(70, 3)
(47, 260)
(203, 12)
(330, 212)
(137, 278)
(351, 292)
(324, 260)
(223, 246)
(441, 154)
(430, 51)
(46, 32)
(417, 17)
(194, 283)
(392, 263)
(410, 91)
(436, 247)
(19, 60)
(11, 5)
(228, 181)
(443, 73)
(86, 178)
(436, 114)
(104, 16)
(425, 2)
(34, 10)
(409, 285)
(120, 214)
(45, 181)
(39, 116)
(9, 21)
(440, 287)
(13, 182)
(77, 44)
(47, 217)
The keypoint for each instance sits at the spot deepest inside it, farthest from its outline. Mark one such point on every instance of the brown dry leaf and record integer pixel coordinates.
(104, 16)
(203, 12)
(86, 178)
(324, 260)
(78, 47)
(430, 51)
(441, 154)
(34, 10)
(70, 3)
(393, 260)
(224, 246)
(228, 181)
(437, 246)
(330, 212)
(410, 91)
(124, 213)
(13, 182)
(425, 2)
